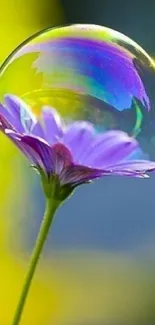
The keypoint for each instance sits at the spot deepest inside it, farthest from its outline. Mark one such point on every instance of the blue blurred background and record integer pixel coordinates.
(99, 262)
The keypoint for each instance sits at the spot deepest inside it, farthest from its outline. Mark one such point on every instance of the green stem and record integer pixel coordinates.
(51, 208)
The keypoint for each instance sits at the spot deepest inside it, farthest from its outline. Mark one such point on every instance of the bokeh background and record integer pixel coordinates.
(99, 262)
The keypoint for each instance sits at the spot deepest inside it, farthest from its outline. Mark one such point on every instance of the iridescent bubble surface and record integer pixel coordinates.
(86, 72)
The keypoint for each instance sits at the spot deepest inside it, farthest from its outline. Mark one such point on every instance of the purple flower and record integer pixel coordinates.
(73, 153)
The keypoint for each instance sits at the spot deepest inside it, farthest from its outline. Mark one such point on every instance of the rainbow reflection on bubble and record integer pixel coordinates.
(86, 72)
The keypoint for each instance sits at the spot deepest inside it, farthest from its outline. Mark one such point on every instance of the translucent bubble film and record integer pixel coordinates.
(86, 72)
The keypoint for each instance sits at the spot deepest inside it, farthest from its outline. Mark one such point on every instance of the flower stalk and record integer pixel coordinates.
(51, 207)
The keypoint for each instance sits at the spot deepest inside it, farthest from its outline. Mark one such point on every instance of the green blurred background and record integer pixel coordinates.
(98, 266)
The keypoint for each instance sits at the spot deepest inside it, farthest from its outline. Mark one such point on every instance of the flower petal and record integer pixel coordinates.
(76, 175)
(137, 166)
(61, 158)
(26, 150)
(54, 158)
(5, 113)
(24, 120)
(99, 141)
(16, 137)
(41, 148)
(78, 137)
(109, 149)
(52, 125)
(5, 123)
(37, 130)
(11, 118)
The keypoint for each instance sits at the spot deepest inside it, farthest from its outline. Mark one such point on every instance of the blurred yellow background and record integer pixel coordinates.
(18, 20)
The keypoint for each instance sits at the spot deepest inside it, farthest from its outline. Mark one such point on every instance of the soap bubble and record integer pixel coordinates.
(86, 72)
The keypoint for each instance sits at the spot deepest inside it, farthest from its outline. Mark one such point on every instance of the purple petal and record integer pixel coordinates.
(37, 130)
(5, 124)
(52, 125)
(8, 129)
(76, 175)
(109, 149)
(12, 120)
(24, 120)
(26, 150)
(140, 166)
(8, 116)
(78, 138)
(61, 158)
(41, 148)
(99, 141)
